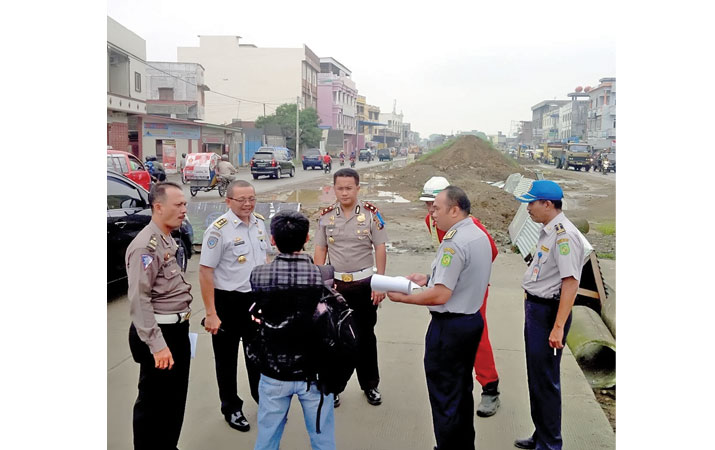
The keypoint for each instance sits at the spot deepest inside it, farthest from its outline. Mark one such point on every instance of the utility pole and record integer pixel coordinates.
(264, 125)
(297, 127)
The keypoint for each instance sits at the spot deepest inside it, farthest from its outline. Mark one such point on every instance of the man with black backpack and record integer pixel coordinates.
(300, 323)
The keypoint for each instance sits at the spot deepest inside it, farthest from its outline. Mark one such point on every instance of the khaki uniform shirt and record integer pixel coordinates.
(560, 253)
(156, 284)
(463, 264)
(350, 240)
(233, 249)
(226, 168)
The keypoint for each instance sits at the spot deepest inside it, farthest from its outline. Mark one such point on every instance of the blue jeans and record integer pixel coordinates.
(275, 396)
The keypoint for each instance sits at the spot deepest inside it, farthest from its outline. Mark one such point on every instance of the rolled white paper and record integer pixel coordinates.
(383, 283)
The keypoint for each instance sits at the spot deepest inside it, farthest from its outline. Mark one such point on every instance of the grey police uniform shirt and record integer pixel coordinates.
(233, 249)
(463, 264)
(560, 253)
(351, 249)
(156, 284)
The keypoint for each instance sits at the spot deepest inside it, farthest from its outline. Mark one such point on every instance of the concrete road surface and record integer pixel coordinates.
(403, 421)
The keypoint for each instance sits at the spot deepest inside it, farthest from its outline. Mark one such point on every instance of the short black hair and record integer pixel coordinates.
(347, 172)
(457, 196)
(558, 204)
(158, 192)
(289, 230)
(238, 183)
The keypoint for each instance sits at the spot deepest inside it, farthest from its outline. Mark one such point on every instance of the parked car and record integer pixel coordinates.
(272, 161)
(129, 166)
(313, 157)
(128, 212)
(384, 154)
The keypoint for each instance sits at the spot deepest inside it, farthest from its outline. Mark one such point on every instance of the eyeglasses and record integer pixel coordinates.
(243, 200)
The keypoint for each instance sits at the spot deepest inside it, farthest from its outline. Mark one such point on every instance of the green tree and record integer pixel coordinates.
(284, 117)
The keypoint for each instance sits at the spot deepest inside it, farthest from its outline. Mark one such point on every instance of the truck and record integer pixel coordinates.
(574, 154)
(548, 150)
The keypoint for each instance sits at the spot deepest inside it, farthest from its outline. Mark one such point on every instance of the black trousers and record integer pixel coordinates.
(450, 348)
(160, 405)
(232, 309)
(543, 370)
(357, 294)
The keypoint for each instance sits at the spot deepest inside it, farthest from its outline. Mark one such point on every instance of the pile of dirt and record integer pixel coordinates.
(469, 163)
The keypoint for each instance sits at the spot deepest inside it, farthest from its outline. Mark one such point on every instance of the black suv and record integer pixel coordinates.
(384, 154)
(128, 212)
(272, 161)
(313, 157)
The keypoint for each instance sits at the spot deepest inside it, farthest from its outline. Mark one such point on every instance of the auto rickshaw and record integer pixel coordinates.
(201, 173)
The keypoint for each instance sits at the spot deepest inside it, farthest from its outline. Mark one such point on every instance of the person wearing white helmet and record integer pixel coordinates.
(484, 368)
(226, 169)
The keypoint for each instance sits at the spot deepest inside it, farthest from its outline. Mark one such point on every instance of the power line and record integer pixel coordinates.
(215, 92)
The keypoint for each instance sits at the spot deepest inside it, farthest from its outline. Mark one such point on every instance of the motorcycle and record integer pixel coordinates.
(604, 167)
(352, 162)
(328, 167)
(342, 160)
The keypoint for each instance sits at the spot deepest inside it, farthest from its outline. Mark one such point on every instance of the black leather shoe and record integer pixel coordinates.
(237, 421)
(336, 401)
(373, 396)
(525, 443)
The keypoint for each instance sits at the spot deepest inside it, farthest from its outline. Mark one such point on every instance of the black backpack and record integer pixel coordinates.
(337, 349)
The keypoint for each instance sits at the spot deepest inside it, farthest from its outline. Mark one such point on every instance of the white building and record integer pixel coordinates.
(572, 117)
(601, 124)
(260, 79)
(176, 90)
(126, 87)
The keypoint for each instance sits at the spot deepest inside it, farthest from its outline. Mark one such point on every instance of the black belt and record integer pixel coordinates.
(542, 300)
(449, 315)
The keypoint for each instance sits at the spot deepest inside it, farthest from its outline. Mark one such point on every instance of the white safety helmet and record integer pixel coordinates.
(432, 187)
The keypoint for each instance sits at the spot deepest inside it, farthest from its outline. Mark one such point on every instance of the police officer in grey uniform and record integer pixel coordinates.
(233, 245)
(550, 285)
(348, 231)
(455, 293)
(159, 305)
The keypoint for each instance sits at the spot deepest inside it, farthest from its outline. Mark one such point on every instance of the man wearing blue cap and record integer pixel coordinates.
(550, 285)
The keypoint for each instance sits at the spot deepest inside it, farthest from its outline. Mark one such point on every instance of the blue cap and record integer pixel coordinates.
(542, 190)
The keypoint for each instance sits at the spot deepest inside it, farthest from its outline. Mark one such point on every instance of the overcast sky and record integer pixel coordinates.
(451, 66)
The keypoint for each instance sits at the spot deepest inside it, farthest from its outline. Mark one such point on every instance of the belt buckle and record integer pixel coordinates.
(347, 277)
(186, 316)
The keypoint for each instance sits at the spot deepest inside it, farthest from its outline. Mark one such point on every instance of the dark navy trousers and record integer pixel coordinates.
(450, 348)
(543, 370)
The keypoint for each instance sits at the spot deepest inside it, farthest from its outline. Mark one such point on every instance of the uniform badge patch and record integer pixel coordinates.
(450, 235)
(564, 248)
(212, 242)
(560, 241)
(446, 259)
(361, 218)
(146, 260)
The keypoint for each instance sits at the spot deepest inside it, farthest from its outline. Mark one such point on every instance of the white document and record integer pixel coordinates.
(384, 283)
(193, 338)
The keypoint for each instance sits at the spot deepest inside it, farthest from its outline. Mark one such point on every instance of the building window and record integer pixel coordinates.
(137, 81)
(166, 93)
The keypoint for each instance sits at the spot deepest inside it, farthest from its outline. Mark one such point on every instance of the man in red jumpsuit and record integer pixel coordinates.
(484, 368)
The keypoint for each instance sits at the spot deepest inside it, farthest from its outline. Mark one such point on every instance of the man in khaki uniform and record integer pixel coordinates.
(226, 169)
(347, 233)
(233, 245)
(159, 305)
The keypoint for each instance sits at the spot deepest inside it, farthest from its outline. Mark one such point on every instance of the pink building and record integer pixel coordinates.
(337, 101)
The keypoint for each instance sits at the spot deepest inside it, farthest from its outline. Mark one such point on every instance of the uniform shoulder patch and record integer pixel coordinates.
(370, 207)
(259, 216)
(446, 260)
(152, 243)
(327, 210)
(560, 228)
(220, 223)
(564, 248)
(450, 234)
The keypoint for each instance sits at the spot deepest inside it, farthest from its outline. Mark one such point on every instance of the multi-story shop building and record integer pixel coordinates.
(126, 87)
(601, 122)
(544, 120)
(258, 80)
(391, 133)
(176, 90)
(337, 101)
(572, 117)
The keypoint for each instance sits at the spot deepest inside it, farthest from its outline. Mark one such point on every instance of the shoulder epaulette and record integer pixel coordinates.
(220, 222)
(258, 216)
(327, 210)
(370, 207)
(449, 235)
(560, 228)
(152, 243)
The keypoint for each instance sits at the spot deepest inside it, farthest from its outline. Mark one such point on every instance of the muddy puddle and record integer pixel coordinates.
(370, 191)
